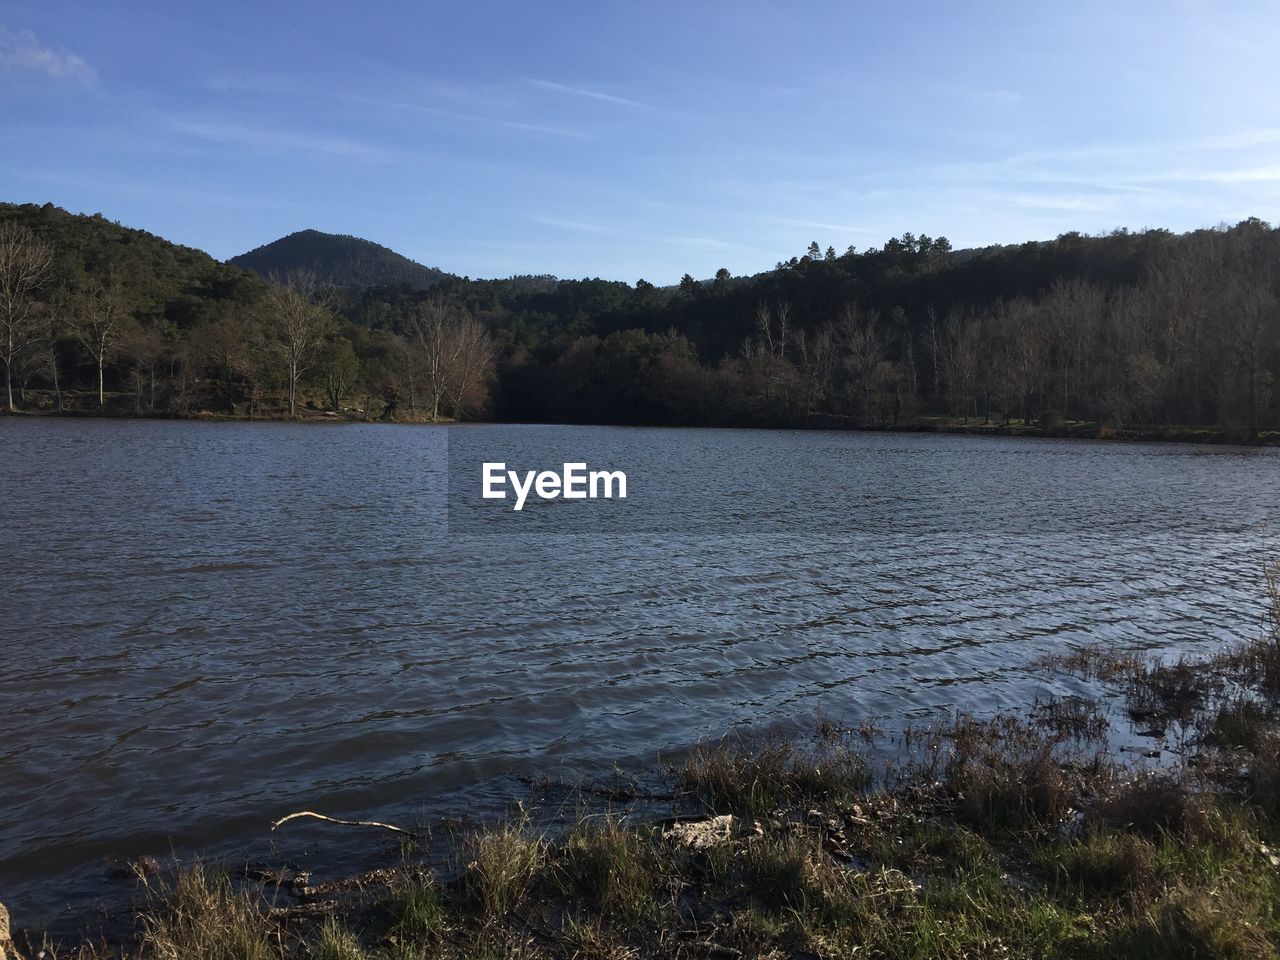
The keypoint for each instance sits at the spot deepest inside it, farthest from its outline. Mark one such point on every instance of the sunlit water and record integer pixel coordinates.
(205, 626)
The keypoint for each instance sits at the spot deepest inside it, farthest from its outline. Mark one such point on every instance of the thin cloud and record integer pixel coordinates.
(22, 50)
(1054, 201)
(816, 225)
(1130, 166)
(589, 94)
(710, 243)
(1269, 173)
(278, 140)
(987, 95)
(392, 106)
(576, 226)
(1260, 137)
(529, 127)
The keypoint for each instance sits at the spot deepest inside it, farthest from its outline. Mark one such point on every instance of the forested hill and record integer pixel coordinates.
(338, 260)
(167, 283)
(1141, 332)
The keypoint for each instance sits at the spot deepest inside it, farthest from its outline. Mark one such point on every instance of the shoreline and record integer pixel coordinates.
(1173, 434)
(1022, 834)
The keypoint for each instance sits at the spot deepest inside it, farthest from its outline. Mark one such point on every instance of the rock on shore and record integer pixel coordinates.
(7, 951)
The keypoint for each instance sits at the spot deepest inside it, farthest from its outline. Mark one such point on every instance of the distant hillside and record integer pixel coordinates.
(339, 260)
(166, 282)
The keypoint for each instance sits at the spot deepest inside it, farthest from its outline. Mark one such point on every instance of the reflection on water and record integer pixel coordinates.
(208, 625)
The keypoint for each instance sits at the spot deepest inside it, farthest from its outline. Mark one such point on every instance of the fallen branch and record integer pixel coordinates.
(345, 823)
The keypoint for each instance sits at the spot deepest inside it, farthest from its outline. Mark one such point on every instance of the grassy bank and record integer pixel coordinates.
(1013, 836)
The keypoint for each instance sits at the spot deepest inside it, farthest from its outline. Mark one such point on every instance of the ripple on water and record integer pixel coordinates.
(210, 624)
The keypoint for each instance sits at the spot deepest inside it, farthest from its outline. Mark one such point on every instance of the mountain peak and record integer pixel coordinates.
(339, 259)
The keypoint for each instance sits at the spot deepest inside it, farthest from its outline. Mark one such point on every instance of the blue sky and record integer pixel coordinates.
(629, 140)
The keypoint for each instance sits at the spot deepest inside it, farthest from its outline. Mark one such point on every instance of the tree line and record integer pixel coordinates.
(95, 317)
(1122, 330)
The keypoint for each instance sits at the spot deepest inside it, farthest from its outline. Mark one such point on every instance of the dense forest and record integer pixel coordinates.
(1147, 330)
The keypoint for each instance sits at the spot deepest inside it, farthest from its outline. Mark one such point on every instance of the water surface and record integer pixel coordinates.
(205, 626)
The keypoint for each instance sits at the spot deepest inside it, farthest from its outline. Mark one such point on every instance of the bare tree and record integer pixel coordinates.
(863, 351)
(407, 360)
(960, 364)
(474, 357)
(766, 355)
(145, 346)
(231, 349)
(1250, 319)
(452, 351)
(339, 368)
(300, 326)
(815, 352)
(774, 328)
(1072, 313)
(52, 329)
(24, 266)
(434, 348)
(1017, 349)
(935, 350)
(98, 321)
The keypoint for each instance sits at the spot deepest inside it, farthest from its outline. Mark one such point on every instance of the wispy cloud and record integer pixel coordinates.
(1124, 168)
(524, 126)
(1059, 201)
(816, 225)
(256, 82)
(575, 226)
(991, 96)
(22, 50)
(1268, 173)
(584, 92)
(1259, 137)
(710, 243)
(263, 138)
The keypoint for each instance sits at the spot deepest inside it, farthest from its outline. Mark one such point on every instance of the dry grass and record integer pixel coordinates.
(202, 917)
(501, 865)
(1193, 922)
(1009, 773)
(735, 776)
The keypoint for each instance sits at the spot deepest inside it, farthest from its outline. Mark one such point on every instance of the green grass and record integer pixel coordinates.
(612, 870)
(417, 906)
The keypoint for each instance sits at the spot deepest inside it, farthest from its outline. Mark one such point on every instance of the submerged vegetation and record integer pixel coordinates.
(1146, 334)
(1013, 836)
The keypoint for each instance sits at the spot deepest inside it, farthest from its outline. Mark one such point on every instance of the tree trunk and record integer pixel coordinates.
(1253, 404)
(102, 393)
(57, 387)
(8, 370)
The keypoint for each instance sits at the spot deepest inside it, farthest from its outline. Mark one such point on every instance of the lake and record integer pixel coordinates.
(208, 625)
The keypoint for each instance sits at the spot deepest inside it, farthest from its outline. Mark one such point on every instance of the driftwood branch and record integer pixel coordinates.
(345, 823)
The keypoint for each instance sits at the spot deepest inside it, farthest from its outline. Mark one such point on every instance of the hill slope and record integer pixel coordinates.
(340, 260)
(165, 282)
